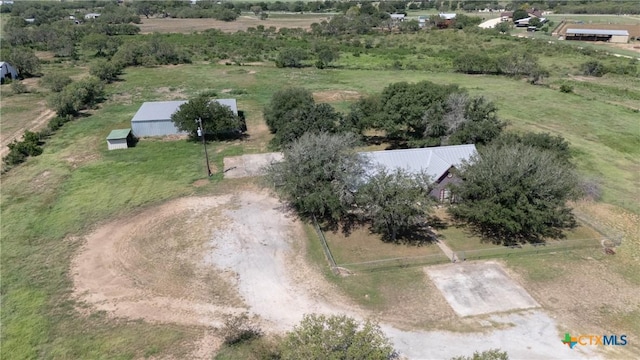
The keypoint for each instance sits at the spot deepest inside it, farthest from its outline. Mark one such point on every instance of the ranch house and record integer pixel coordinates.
(437, 162)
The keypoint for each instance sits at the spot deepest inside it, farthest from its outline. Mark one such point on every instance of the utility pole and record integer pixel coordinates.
(204, 144)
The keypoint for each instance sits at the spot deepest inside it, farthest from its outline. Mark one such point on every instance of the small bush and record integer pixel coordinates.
(593, 68)
(208, 93)
(237, 329)
(566, 88)
(55, 82)
(20, 150)
(238, 92)
(18, 87)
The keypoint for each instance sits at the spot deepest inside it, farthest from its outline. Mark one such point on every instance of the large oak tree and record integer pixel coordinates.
(516, 193)
(319, 175)
(216, 118)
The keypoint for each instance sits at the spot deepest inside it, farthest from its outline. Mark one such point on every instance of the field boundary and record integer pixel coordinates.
(325, 247)
(497, 252)
(528, 249)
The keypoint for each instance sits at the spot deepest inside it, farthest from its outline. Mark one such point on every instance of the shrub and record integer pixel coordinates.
(593, 68)
(55, 82)
(566, 88)
(18, 87)
(291, 57)
(237, 329)
(106, 70)
(77, 96)
(20, 150)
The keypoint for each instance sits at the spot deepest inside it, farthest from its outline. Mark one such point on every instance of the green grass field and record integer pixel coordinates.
(49, 202)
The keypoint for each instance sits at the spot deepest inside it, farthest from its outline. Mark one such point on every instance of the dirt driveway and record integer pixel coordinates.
(195, 260)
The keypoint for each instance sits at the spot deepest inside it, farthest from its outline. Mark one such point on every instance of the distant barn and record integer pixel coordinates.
(154, 118)
(614, 36)
(7, 71)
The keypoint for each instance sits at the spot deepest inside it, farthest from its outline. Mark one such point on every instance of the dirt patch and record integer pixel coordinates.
(200, 183)
(166, 93)
(336, 96)
(142, 266)
(186, 26)
(249, 165)
(78, 160)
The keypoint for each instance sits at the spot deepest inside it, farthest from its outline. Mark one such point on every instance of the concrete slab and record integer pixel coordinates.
(249, 165)
(476, 288)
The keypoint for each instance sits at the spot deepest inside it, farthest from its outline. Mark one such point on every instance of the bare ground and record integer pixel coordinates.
(195, 260)
(169, 25)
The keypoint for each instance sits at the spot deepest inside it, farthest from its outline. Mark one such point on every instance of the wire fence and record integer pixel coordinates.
(325, 247)
(472, 254)
(547, 247)
(396, 263)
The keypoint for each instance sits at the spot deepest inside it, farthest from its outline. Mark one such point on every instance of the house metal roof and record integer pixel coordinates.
(597, 32)
(447, 16)
(434, 161)
(162, 110)
(118, 134)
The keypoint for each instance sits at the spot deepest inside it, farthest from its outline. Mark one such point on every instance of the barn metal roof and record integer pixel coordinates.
(162, 110)
(434, 161)
(118, 134)
(597, 32)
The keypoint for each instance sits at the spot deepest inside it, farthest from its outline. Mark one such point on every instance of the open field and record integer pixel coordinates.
(169, 25)
(50, 203)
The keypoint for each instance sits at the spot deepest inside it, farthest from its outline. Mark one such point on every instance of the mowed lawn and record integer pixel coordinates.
(49, 202)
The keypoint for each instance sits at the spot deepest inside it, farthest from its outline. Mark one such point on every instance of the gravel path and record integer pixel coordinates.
(260, 244)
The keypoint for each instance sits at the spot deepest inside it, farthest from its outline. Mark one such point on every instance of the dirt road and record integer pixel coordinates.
(155, 264)
(33, 125)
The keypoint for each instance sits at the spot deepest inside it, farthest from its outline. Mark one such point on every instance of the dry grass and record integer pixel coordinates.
(162, 260)
(361, 245)
(187, 26)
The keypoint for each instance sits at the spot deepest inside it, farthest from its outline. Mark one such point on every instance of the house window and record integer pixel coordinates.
(446, 195)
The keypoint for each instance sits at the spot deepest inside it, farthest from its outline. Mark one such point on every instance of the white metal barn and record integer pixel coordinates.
(614, 36)
(154, 117)
(118, 139)
(7, 71)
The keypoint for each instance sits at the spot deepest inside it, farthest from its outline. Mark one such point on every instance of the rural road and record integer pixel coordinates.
(490, 24)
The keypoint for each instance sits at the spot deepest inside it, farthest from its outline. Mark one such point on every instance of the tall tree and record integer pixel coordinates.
(336, 337)
(216, 118)
(516, 193)
(402, 105)
(319, 175)
(395, 201)
(317, 118)
(25, 61)
(283, 104)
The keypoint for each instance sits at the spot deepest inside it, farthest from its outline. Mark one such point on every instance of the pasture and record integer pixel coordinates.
(51, 202)
(245, 21)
